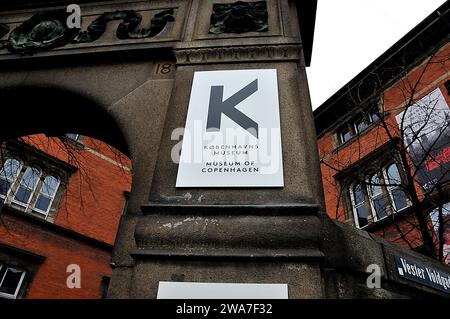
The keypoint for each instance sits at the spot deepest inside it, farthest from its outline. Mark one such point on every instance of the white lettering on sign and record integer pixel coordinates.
(421, 274)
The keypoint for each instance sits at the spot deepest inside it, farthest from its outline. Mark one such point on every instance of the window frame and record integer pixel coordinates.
(361, 119)
(38, 193)
(355, 207)
(12, 183)
(386, 193)
(19, 184)
(341, 135)
(77, 136)
(373, 211)
(390, 188)
(352, 128)
(19, 285)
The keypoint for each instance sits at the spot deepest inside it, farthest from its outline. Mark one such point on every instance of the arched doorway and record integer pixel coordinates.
(65, 177)
(55, 111)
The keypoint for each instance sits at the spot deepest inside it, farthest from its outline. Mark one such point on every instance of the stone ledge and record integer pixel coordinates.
(242, 53)
(229, 230)
(294, 209)
(258, 254)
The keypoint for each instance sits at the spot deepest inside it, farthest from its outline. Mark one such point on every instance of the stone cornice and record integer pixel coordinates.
(228, 231)
(276, 52)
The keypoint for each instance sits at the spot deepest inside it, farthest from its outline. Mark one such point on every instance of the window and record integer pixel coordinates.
(377, 200)
(11, 279)
(360, 208)
(345, 135)
(8, 175)
(358, 125)
(397, 194)
(379, 196)
(74, 137)
(27, 187)
(361, 125)
(46, 194)
(374, 116)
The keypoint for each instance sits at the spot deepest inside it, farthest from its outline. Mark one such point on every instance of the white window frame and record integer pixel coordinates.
(45, 213)
(13, 198)
(19, 285)
(371, 198)
(389, 201)
(390, 188)
(15, 178)
(354, 206)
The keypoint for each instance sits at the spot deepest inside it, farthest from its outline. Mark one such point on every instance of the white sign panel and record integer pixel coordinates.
(200, 290)
(232, 136)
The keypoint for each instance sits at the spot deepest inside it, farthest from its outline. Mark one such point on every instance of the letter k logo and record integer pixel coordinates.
(228, 107)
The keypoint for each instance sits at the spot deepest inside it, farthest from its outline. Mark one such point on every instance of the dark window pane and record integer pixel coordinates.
(345, 135)
(375, 188)
(23, 195)
(363, 214)
(11, 281)
(42, 203)
(358, 194)
(380, 207)
(10, 169)
(72, 136)
(399, 198)
(49, 186)
(393, 175)
(375, 117)
(4, 187)
(30, 177)
(360, 126)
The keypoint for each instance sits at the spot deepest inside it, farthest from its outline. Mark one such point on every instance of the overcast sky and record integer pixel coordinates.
(350, 34)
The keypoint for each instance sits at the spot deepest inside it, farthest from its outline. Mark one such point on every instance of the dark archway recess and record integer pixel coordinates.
(55, 111)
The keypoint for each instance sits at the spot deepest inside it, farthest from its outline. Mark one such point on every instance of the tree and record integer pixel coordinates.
(396, 121)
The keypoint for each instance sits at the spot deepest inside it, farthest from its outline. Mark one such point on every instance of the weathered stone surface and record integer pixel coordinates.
(301, 277)
(299, 155)
(224, 232)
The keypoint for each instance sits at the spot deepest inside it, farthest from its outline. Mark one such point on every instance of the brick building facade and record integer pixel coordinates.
(63, 199)
(361, 137)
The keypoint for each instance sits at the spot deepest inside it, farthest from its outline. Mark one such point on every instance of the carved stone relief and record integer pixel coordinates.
(47, 30)
(239, 17)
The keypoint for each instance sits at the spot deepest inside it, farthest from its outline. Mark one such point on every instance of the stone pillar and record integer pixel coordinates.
(242, 235)
(247, 235)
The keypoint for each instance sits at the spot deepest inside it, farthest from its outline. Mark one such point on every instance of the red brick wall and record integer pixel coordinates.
(92, 206)
(427, 77)
(60, 251)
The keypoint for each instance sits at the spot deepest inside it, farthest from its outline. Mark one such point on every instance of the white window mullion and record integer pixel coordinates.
(372, 205)
(27, 187)
(361, 205)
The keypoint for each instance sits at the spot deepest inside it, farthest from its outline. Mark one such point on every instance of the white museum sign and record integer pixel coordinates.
(203, 290)
(232, 136)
